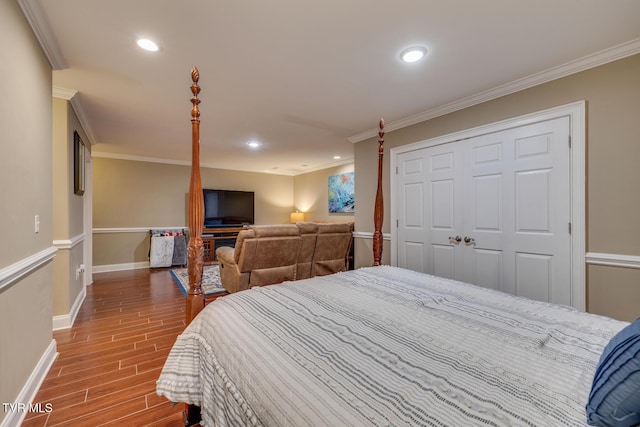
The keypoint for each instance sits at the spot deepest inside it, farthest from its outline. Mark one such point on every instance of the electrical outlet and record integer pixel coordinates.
(37, 224)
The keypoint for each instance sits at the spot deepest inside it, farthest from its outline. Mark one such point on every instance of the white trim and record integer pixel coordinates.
(134, 229)
(31, 387)
(613, 260)
(590, 61)
(369, 235)
(120, 267)
(12, 273)
(576, 112)
(63, 93)
(69, 243)
(85, 124)
(70, 95)
(87, 221)
(65, 321)
(36, 15)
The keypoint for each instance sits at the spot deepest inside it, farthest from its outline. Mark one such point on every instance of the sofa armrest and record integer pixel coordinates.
(225, 254)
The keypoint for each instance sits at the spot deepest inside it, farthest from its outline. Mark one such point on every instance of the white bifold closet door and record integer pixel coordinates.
(492, 210)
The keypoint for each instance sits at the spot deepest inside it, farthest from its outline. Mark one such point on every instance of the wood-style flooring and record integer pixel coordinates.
(109, 361)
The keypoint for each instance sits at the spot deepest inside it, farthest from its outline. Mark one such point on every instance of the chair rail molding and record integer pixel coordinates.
(369, 235)
(69, 243)
(613, 260)
(135, 229)
(11, 274)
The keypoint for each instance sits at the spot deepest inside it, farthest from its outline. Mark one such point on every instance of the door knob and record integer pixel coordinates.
(455, 240)
(469, 240)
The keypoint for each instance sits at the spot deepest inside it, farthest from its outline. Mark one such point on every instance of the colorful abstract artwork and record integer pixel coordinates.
(342, 193)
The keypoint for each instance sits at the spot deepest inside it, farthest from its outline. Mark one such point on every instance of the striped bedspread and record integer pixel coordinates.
(383, 346)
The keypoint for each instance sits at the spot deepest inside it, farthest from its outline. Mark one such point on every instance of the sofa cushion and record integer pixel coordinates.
(332, 248)
(242, 236)
(275, 230)
(309, 235)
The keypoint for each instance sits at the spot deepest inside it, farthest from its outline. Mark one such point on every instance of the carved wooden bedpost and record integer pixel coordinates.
(378, 211)
(195, 250)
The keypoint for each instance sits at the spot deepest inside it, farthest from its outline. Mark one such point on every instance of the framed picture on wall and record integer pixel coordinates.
(342, 193)
(78, 164)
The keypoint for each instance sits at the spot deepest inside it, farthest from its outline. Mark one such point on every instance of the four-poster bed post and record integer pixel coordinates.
(378, 211)
(195, 250)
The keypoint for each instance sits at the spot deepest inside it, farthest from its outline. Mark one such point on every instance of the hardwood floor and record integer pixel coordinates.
(110, 359)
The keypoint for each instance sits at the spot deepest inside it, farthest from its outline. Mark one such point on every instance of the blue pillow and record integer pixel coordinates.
(615, 393)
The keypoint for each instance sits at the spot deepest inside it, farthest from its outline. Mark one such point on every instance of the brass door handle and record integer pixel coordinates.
(469, 240)
(455, 240)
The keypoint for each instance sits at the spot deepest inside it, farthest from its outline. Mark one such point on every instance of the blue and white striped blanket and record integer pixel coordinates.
(385, 346)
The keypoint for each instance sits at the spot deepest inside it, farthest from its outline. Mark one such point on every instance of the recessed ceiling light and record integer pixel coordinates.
(413, 54)
(253, 144)
(336, 157)
(147, 44)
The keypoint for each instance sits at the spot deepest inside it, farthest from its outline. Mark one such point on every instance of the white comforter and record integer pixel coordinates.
(388, 347)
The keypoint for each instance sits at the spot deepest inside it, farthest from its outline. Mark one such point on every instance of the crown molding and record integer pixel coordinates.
(615, 53)
(63, 93)
(76, 104)
(36, 16)
(82, 118)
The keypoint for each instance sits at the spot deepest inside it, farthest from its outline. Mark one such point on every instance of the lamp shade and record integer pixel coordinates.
(297, 216)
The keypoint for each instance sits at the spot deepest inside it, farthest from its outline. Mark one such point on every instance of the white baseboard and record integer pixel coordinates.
(31, 387)
(65, 321)
(120, 267)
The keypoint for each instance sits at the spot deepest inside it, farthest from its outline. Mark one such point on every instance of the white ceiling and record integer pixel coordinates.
(305, 78)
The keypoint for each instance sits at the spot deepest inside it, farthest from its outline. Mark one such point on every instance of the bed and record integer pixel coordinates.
(386, 346)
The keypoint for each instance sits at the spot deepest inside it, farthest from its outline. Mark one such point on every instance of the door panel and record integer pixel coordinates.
(487, 268)
(411, 214)
(534, 276)
(442, 261)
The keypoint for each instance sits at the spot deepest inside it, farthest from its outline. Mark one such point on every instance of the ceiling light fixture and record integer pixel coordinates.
(253, 144)
(336, 157)
(413, 54)
(147, 44)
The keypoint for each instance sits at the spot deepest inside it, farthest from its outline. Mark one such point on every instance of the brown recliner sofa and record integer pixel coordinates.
(269, 254)
(263, 255)
(332, 248)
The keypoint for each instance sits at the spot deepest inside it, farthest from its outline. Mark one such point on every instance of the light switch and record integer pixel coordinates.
(37, 224)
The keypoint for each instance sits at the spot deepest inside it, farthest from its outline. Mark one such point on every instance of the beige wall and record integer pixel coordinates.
(612, 93)
(311, 194)
(68, 221)
(136, 194)
(25, 191)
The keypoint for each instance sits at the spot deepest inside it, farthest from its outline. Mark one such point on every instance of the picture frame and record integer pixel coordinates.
(78, 164)
(342, 193)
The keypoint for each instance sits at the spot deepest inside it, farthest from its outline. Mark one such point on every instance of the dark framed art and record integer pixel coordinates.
(78, 164)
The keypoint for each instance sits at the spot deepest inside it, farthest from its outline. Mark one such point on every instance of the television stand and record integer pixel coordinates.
(214, 237)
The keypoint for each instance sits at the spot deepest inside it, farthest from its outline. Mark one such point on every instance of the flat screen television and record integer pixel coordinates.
(228, 208)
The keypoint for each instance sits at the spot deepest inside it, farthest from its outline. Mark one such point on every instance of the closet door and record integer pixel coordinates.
(517, 196)
(506, 195)
(431, 210)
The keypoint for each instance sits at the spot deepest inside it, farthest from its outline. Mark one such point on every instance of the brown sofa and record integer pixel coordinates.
(263, 255)
(269, 254)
